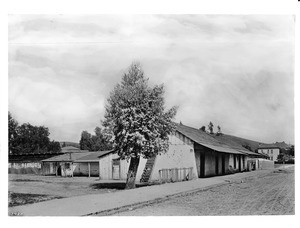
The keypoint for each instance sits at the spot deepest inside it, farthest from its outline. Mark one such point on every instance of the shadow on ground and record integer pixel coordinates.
(26, 180)
(118, 185)
(17, 199)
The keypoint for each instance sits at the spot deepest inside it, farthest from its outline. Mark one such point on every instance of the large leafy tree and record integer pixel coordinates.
(136, 119)
(33, 139)
(12, 133)
(28, 138)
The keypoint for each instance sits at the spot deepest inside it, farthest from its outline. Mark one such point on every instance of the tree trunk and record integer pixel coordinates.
(133, 167)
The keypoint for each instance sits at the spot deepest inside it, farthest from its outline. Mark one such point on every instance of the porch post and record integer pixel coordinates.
(99, 169)
(72, 169)
(89, 165)
(56, 169)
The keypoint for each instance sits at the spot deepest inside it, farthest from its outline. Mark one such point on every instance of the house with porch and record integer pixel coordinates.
(61, 165)
(105, 164)
(194, 153)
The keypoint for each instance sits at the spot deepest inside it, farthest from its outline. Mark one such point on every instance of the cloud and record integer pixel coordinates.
(236, 71)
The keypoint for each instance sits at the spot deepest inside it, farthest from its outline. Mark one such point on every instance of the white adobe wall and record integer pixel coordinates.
(275, 154)
(180, 155)
(140, 169)
(265, 164)
(231, 162)
(106, 167)
(246, 162)
(124, 166)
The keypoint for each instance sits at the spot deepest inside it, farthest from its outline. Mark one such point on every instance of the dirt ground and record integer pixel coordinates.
(268, 194)
(26, 188)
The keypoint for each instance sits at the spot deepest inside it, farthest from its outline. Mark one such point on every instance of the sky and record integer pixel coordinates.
(234, 70)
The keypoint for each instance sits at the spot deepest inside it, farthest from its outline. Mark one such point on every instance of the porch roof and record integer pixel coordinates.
(68, 157)
(94, 157)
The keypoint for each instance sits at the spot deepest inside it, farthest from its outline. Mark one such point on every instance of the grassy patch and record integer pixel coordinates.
(17, 199)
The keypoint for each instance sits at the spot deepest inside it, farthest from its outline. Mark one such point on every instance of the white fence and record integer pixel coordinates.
(176, 174)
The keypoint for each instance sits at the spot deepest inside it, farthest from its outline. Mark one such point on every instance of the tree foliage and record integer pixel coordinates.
(287, 154)
(135, 116)
(203, 128)
(12, 133)
(211, 127)
(219, 132)
(85, 141)
(247, 146)
(27, 138)
(97, 142)
(136, 120)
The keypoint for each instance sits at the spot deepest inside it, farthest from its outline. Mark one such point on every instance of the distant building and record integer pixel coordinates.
(105, 164)
(271, 150)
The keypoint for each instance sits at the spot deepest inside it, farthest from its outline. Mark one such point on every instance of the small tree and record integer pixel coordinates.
(203, 128)
(211, 128)
(136, 120)
(54, 147)
(248, 147)
(97, 142)
(85, 141)
(219, 132)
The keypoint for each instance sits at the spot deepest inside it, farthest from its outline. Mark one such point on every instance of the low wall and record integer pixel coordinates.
(24, 168)
(19, 165)
(265, 164)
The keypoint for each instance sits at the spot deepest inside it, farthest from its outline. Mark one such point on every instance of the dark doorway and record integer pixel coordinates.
(223, 164)
(202, 164)
(58, 170)
(217, 163)
(240, 163)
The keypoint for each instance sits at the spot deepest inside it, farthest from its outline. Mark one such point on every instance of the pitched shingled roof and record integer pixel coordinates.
(68, 157)
(79, 157)
(94, 157)
(211, 141)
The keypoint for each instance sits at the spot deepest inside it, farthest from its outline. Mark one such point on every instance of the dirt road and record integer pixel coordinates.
(269, 194)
